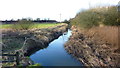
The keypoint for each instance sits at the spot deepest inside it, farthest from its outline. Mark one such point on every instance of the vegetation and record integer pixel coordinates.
(7, 64)
(111, 17)
(22, 24)
(35, 25)
(38, 20)
(96, 16)
(13, 44)
(31, 66)
(35, 66)
(14, 40)
(66, 21)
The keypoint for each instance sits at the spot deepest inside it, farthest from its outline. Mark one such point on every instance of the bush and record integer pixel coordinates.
(96, 16)
(86, 19)
(111, 17)
(23, 24)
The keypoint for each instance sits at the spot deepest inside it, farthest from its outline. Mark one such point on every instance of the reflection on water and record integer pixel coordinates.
(55, 54)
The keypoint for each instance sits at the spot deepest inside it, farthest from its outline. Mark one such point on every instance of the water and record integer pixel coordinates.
(55, 54)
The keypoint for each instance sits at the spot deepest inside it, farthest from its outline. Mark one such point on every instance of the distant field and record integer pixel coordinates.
(36, 25)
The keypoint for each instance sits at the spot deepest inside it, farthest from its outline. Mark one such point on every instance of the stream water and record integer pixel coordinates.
(55, 54)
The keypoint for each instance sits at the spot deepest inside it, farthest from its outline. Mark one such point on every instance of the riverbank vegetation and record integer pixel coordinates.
(101, 21)
(13, 40)
(92, 50)
(21, 30)
(97, 16)
(27, 40)
(95, 37)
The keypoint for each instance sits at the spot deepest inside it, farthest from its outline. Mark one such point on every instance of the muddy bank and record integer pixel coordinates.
(29, 41)
(91, 50)
(42, 38)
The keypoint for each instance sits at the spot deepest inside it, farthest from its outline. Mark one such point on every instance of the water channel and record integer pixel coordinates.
(55, 54)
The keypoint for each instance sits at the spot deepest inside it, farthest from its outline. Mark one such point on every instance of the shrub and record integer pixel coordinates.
(96, 16)
(86, 19)
(111, 17)
(23, 24)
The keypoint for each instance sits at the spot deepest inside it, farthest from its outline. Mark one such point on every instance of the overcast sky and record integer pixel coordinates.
(14, 9)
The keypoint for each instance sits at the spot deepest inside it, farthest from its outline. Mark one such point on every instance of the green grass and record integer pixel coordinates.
(45, 25)
(36, 25)
(5, 26)
(35, 66)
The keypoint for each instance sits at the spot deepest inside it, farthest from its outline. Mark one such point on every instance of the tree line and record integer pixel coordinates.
(35, 21)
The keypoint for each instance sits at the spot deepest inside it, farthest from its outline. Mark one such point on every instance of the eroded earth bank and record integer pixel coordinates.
(91, 50)
(27, 42)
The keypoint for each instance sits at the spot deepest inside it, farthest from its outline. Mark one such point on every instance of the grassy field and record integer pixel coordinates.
(36, 25)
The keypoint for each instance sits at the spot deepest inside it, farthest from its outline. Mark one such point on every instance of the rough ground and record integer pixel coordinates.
(29, 41)
(91, 50)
